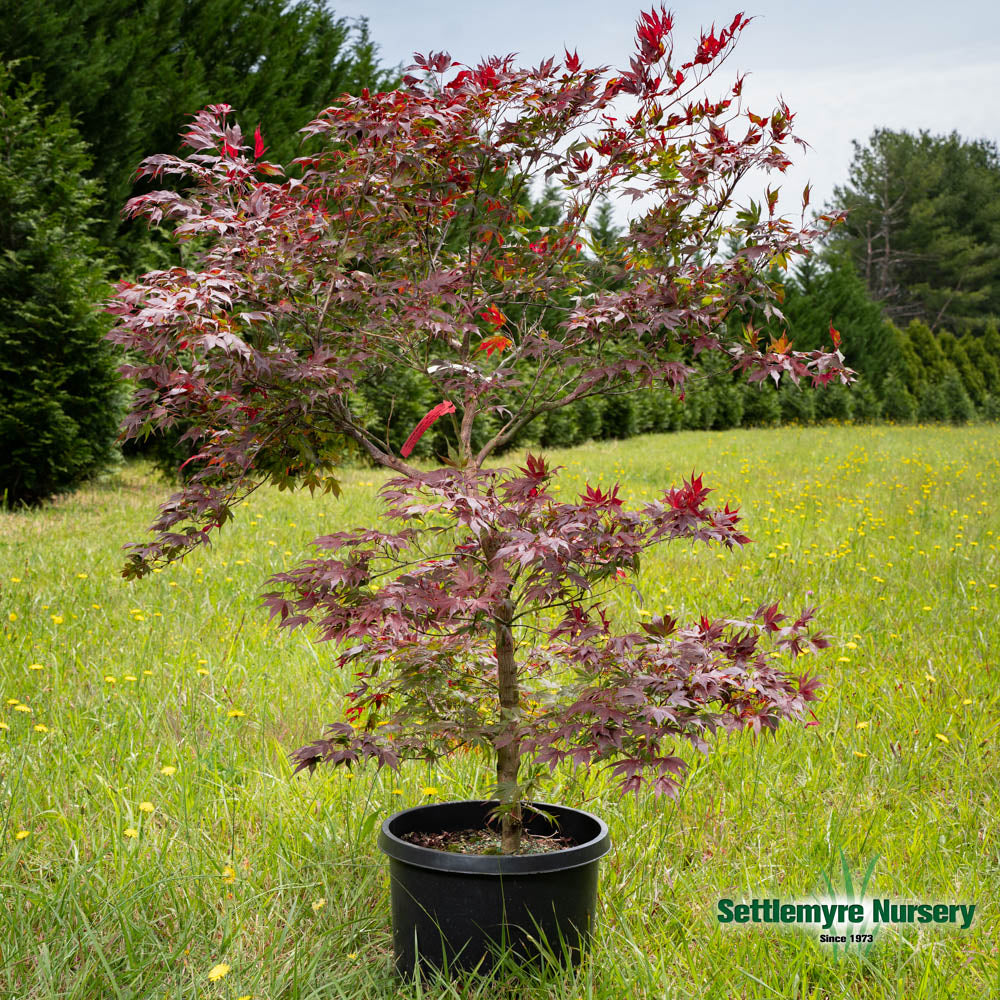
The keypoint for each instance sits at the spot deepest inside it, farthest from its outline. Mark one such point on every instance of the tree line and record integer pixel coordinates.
(87, 88)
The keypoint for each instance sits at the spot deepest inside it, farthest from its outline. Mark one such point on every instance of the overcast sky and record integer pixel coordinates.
(843, 67)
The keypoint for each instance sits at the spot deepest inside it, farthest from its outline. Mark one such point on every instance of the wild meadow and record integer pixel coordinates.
(153, 842)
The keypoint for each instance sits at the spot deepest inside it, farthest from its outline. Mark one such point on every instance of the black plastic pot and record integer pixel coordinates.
(459, 911)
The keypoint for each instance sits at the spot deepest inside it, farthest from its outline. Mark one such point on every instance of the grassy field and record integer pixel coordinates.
(150, 831)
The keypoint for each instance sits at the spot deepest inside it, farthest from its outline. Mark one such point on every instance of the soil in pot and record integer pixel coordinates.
(479, 841)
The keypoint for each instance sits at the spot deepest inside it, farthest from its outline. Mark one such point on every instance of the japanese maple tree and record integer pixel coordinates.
(475, 614)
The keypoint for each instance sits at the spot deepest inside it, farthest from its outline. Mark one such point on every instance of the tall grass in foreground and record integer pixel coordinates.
(150, 832)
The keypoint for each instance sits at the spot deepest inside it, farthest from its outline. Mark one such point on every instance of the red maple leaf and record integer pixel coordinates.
(498, 343)
(258, 144)
(494, 316)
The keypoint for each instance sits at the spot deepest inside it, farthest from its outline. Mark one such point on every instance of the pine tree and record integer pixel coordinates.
(60, 397)
(972, 378)
(898, 404)
(132, 72)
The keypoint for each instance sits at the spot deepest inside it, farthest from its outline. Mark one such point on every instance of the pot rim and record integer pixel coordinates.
(560, 860)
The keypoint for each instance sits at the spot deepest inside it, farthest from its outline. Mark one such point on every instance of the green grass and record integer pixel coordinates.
(892, 532)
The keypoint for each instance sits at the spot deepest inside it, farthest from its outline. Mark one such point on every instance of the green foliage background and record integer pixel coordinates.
(60, 397)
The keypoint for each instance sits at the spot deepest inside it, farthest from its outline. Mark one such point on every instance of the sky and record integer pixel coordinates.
(844, 68)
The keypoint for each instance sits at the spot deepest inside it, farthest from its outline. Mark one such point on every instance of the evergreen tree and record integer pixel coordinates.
(898, 404)
(923, 226)
(933, 361)
(959, 406)
(132, 71)
(60, 397)
(828, 291)
(972, 378)
(982, 361)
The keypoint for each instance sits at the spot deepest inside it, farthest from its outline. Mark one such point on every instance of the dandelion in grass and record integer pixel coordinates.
(22, 708)
(318, 905)
(218, 972)
(108, 679)
(41, 728)
(12, 616)
(147, 807)
(131, 832)
(36, 666)
(429, 791)
(168, 770)
(235, 713)
(942, 737)
(57, 619)
(228, 875)
(22, 834)
(3, 725)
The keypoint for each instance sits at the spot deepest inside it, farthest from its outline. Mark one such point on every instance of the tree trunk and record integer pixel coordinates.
(508, 756)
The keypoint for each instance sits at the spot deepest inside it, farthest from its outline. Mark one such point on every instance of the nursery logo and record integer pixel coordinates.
(845, 919)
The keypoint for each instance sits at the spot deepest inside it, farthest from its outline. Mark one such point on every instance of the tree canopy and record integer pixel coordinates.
(923, 227)
(130, 72)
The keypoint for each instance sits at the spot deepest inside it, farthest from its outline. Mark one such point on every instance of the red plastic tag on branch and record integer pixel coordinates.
(418, 432)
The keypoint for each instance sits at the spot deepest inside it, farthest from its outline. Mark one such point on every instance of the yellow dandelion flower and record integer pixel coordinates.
(108, 679)
(228, 875)
(235, 713)
(966, 701)
(96, 607)
(15, 579)
(131, 678)
(57, 619)
(168, 770)
(246, 996)
(858, 753)
(850, 645)
(352, 954)
(81, 576)
(22, 708)
(862, 725)
(130, 832)
(22, 834)
(13, 701)
(942, 738)
(930, 679)
(429, 790)
(203, 662)
(35, 666)
(318, 905)
(147, 673)
(12, 616)
(146, 807)
(3, 725)
(218, 972)
(41, 729)
(202, 672)
(397, 791)
(843, 659)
